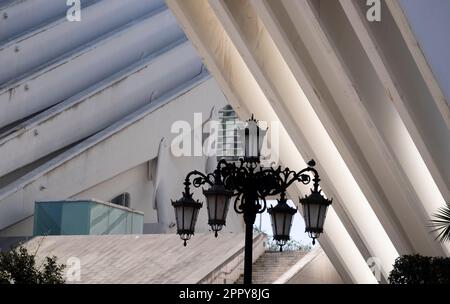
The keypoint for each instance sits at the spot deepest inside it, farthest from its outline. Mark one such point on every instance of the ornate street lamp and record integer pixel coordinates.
(250, 184)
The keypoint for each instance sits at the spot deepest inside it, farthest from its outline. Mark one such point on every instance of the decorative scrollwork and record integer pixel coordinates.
(251, 183)
(237, 206)
(198, 181)
(304, 179)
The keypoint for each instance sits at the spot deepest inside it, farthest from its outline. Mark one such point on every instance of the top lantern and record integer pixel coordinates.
(252, 137)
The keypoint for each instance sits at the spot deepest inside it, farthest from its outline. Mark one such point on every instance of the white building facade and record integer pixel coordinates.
(88, 107)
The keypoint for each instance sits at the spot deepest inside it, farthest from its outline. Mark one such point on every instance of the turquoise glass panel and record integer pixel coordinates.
(85, 218)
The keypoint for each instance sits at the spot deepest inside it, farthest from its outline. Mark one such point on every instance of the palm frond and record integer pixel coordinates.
(441, 223)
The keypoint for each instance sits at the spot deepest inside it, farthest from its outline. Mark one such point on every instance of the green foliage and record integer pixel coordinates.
(291, 245)
(417, 269)
(441, 223)
(17, 266)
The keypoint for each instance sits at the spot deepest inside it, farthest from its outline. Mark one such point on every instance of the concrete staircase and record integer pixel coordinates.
(150, 258)
(272, 265)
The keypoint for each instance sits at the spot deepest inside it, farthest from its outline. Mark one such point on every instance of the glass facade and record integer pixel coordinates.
(85, 218)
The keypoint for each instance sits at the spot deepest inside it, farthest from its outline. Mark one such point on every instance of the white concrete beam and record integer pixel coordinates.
(18, 16)
(422, 169)
(126, 144)
(78, 117)
(414, 48)
(298, 117)
(334, 56)
(282, 36)
(243, 92)
(67, 76)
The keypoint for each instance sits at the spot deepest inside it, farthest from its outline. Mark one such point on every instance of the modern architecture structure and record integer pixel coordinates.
(358, 86)
(87, 111)
(87, 108)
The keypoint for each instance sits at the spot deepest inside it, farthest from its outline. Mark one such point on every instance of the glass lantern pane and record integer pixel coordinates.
(287, 227)
(220, 207)
(194, 218)
(274, 223)
(179, 217)
(211, 204)
(323, 214)
(226, 202)
(187, 217)
(261, 136)
(313, 214)
(306, 215)
(281, 222)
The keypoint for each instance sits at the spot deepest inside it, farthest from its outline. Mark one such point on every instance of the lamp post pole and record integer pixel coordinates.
(249, 220)
(248, 254)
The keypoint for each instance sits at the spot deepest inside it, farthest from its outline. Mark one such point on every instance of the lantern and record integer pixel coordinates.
(281, 216)
(253, 137)
(217, 202)
(186, 212)
(315, 208)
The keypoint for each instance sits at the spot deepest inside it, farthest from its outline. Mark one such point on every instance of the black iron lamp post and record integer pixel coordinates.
(249, 184)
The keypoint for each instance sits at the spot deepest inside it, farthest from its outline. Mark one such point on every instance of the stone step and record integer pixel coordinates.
(272, 265)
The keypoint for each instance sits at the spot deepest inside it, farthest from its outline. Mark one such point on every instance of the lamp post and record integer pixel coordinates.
(249, 185)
